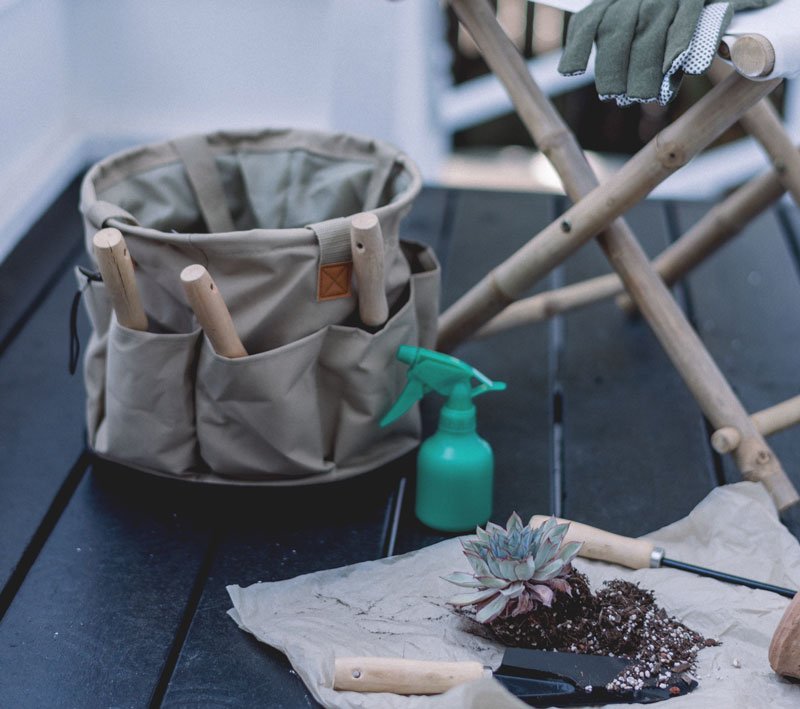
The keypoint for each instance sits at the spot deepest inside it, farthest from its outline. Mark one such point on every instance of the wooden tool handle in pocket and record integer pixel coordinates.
(606, 546)
(366, 245)
(116, 267)
(401, 676)
(211, 311)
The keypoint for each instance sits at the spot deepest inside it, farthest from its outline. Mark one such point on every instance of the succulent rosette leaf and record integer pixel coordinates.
(515, 570)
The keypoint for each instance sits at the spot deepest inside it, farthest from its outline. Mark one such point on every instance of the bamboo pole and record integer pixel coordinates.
(767, 421)
(753, 55)
(668, 151)
(545, 305)
(764, 124)
(718, 226)
(672, 148)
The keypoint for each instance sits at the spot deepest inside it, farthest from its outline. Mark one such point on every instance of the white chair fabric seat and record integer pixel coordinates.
(778, 23)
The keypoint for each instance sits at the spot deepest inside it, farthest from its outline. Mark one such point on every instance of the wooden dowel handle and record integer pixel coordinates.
(366, 243)
(784, 649)
(752, 55)
(606, 546)
(400, 676)
(116, 267)
(212, 313)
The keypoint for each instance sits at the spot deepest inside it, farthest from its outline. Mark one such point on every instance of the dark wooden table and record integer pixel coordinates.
(113, 583)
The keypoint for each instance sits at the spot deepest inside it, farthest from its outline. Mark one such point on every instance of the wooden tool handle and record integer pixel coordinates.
(366, 244)
(401, 676)
(116, 267)
(605, 546)
(784, 650)
(211, 311)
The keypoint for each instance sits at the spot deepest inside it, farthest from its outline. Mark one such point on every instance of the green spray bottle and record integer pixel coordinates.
(455, 466)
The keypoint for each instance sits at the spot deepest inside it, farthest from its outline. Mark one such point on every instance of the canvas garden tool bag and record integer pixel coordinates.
(267, 213)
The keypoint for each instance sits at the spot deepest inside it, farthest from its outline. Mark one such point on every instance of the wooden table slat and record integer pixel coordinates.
(746, 302)
(42, 430)
(486, 228)
(636, 457)
(37, 262)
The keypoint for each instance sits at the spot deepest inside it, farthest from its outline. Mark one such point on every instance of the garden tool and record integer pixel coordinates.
(538, 677)
(211, 312)
(784, 649)
(366, 245)
(116, 268)
(645, 46)
(642, 554)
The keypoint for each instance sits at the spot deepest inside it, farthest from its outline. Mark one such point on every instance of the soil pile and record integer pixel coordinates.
(620, 620)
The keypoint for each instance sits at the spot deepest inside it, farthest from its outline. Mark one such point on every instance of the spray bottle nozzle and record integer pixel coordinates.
(435, 371)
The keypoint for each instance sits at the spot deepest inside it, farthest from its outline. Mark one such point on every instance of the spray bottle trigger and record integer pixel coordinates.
(411, 394)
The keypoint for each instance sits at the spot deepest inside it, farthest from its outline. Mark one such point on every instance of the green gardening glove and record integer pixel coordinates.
(637, 41)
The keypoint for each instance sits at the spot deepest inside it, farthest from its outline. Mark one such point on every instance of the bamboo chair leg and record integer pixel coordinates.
(764, 124)
(672, 148)
(718, 226)
(668, 151)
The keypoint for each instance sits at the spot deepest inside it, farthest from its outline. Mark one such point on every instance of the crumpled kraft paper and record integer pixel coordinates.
(397, 607)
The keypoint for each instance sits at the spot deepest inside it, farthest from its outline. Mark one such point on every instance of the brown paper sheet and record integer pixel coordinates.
(397, 607)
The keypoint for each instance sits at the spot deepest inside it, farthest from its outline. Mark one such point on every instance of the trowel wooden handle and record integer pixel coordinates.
(784, 650)
(605, 546)
(211, 311)
(116, 267)
(400, 676)
(366, 245)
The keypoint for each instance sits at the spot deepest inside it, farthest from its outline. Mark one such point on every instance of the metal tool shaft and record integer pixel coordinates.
(728, 578)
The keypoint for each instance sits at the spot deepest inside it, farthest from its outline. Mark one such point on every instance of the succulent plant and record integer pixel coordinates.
(517, 569)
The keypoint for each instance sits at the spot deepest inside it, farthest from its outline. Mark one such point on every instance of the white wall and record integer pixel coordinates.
(82, 78)
(177, 65)
(37, 144)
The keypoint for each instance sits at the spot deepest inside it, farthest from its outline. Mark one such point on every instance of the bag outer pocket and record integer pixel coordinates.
(361, 378)
(259, 416)
(149, 399)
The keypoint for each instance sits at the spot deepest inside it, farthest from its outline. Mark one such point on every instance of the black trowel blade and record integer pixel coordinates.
(581, 679)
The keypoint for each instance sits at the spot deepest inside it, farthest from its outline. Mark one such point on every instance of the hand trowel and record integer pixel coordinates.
(537, 677)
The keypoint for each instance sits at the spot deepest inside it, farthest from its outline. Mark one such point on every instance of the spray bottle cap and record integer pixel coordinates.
(434, 371)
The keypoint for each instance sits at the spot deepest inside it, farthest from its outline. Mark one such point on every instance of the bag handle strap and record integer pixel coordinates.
(205, 181)
(99, 213)
(335, 272)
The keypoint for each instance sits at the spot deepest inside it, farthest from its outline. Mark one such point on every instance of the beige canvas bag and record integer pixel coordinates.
(267, 213)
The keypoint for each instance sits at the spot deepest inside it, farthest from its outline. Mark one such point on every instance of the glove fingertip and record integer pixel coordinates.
(571, 65)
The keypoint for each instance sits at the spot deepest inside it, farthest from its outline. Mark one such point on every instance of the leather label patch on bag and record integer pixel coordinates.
(334, 280)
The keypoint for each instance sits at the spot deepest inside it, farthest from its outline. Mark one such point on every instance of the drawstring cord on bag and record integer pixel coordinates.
(74, 340)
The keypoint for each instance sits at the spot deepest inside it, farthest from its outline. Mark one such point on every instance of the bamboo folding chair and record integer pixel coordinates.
(492, 304)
